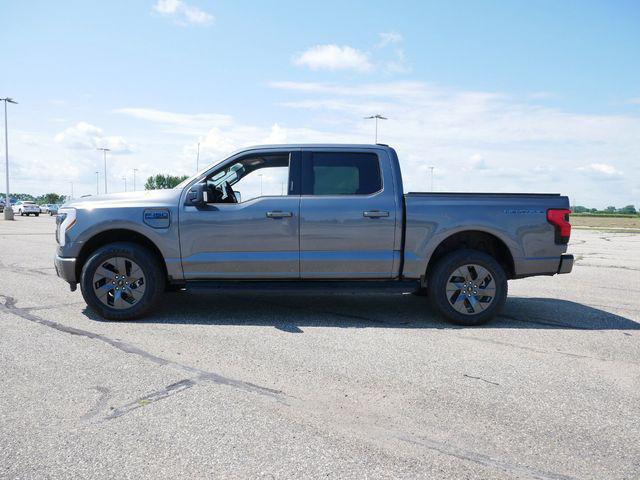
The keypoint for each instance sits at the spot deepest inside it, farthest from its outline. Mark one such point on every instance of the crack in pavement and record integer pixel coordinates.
(100, 404)
(165, 392)
(538, 350)
(482, 459)
(481, 379)
(9, 306)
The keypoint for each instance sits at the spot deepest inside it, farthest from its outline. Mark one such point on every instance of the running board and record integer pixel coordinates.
(389, 286)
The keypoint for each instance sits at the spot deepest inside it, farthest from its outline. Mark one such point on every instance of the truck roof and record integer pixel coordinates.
(318, 145)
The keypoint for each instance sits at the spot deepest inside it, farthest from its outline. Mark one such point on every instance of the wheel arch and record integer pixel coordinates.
(118, 235)
(475, 240)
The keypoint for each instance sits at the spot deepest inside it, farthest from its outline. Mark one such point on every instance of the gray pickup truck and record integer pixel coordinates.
(339, 218)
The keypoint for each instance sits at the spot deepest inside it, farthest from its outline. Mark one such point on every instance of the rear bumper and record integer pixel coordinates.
(66, 269)
(566, 264)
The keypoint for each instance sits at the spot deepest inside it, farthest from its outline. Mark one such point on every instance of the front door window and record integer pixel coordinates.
(250, 177)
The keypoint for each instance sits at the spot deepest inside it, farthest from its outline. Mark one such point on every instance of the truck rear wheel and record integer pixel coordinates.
(121, 281)
(468, 287)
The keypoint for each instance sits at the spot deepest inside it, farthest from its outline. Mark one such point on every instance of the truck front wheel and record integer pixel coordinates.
(121, 281)
(468, 287)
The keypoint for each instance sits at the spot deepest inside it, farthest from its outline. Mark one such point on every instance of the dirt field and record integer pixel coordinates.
(605, 222)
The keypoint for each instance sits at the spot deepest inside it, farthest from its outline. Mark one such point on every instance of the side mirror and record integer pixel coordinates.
(197, 195)
(238, 196)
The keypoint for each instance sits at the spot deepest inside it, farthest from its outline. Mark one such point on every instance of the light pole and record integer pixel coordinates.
(104, 154)
(125, 183)
(134, 179)
(97, 183)
(198, 159)
(431, 168)
(260, 175)
(376, 117)
(8, 211)
(71, 183)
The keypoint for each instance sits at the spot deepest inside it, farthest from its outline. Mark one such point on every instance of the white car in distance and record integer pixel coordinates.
(26, 207)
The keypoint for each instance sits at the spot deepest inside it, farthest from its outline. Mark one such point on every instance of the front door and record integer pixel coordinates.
(250, 227)
(347, 215)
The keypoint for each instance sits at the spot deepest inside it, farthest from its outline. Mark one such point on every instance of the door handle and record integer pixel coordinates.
(375, 214)
(279, 214)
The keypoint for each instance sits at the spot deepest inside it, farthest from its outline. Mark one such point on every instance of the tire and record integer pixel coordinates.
(121, 259)
(37, 214)
(474, 304)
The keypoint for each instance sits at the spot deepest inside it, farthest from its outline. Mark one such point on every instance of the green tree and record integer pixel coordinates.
(610, 209)
(580, 209)
(50, 198)
(629, 209)
(21, 196)
(159, 181)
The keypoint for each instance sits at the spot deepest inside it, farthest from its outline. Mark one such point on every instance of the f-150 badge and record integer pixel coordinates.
(157, 218)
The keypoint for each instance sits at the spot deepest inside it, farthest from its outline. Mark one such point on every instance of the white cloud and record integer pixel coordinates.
(601, 169)
(277, 135)
(167, 7)
(84, 136)
(206, 120)
(475, 162)
(217, 142)
(337, 57)
(395, 90)
(334, 57)
(399, 64)
(387, 38)
(542, 95)
(182, 13)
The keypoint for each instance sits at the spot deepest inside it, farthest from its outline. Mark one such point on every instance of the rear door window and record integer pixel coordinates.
(342, 173)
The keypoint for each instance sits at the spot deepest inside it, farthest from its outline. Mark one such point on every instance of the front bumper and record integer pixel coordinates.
(66, 269)
(566, 264)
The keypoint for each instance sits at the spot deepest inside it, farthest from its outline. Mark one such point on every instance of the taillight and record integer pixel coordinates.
(559, 218)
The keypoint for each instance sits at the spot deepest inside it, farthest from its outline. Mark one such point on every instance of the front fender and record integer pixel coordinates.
(123, 221)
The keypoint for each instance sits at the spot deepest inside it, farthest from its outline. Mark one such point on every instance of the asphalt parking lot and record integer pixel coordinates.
(282, 385)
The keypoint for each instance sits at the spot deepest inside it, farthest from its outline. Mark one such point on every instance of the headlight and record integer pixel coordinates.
(64, 221)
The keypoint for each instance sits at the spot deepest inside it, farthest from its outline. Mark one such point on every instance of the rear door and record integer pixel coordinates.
(347, 215)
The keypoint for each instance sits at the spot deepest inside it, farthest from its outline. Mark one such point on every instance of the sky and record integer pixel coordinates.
(519, 96)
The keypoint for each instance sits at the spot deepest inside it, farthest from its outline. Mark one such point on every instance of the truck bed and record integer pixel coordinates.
(518, 220)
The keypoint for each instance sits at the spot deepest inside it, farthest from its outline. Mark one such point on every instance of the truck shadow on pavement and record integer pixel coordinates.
(291, 311)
